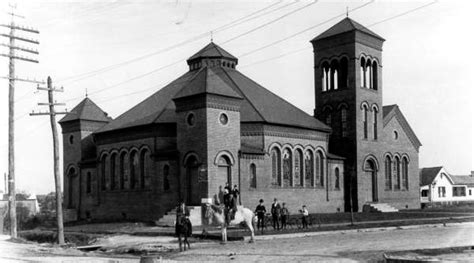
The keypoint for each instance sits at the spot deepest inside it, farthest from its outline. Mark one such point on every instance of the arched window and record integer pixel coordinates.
(319, 169)
(253, 176)
(374, 76)
(144, 169)
(287, 168)
(299, 178)
(336, 183)
(388, 173)
(365, 110)
(113, 174)
(363, 80)
(122, 170)
(325, 77)
(309, 168)
(368, 74)
(334, 75)
(375, 113)
(343, 73)
(276, 166)
(405, 173)
(88, 182)
(103, 172)
(134, 168)
(166, 180)
(343, 121)
(396, 172)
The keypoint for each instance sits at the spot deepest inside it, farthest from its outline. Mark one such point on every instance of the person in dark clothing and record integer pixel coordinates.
(260, 211)
(227, 186)
(235, 193)
(181, 213)
(276, 210)
(284, 216)
(230, 206)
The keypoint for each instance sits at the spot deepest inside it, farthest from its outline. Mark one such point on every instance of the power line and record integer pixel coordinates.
(108, 68)
(271, 22)
(403, 14)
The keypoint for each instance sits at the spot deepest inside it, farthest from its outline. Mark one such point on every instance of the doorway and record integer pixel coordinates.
(192, 186)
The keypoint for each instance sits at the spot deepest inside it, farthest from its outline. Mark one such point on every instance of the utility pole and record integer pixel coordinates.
(11, 98)
(57, 179)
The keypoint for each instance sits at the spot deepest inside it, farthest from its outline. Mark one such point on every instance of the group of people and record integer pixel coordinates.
(280, 214)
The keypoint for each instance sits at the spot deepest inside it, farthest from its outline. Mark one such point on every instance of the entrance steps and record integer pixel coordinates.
(379, 207)
(169, 219)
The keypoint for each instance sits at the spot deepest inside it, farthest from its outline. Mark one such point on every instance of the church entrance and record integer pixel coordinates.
(224, 169)
(71, 176)
(192, 186)
(371, 172)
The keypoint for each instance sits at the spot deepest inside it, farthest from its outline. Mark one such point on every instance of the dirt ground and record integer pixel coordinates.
(337, 246)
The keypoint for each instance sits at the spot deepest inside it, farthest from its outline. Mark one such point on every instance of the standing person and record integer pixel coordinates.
(235, 193)
(304, 216)
(180, 215)
(276, 214)
(227, 186)
(229, 206)
(260, 211)
(284, 215)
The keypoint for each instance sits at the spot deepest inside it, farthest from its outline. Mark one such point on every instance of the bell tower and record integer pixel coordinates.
(348, 96)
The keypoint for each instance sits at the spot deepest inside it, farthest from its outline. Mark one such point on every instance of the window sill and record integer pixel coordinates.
(371, 90)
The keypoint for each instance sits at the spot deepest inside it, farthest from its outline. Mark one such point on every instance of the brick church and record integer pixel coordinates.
(213, 125)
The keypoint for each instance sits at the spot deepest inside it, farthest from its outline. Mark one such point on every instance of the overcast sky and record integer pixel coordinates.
(427, 63)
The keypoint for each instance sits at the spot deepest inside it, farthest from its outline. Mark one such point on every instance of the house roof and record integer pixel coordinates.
(212, 51)
(463, 180)
(258, 104)
(86, 110)
(391, 111)
(206, 81)
(344, 26)
(428, 174)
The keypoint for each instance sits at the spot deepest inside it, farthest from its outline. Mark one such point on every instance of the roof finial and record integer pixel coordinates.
(212, 38)
(86, 93)
(347, 11)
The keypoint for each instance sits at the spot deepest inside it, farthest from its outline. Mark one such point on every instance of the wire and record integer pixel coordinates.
(108, 68)
(402, 14)
(304, 30)
(270, 22)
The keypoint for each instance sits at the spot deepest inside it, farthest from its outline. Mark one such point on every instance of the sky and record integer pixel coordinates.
(120, 52)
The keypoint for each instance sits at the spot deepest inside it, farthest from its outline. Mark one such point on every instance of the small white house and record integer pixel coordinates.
(438, 186)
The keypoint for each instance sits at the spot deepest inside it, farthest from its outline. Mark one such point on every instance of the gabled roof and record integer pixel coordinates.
(206, 81)
(86, 110)
(428, 174)
(391, 111)
(258, 104)
(463, 180)
(344, 26)
(212, 51)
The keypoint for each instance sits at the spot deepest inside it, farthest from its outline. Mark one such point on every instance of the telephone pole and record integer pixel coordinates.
(11, 98)
(57, 179)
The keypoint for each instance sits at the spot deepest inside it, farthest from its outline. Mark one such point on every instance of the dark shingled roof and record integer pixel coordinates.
(86, 110)
(258, 104)
(427, 175)
(391, 111)
(345, 25)
(463, 180)
(212, 51)
(206, 81)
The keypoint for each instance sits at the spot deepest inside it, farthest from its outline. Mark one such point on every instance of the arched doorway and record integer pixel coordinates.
(192, 187)
(371, 174)
(224, 169)
(71, 177)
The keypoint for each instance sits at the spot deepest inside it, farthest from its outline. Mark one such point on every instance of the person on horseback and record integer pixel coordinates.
(230, 206)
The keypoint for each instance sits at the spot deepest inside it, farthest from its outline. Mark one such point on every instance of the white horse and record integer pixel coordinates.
(215, 216)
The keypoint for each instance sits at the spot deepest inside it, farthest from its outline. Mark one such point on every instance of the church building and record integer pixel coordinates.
(213, 125)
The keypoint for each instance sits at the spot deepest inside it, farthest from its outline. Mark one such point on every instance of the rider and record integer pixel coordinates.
(180, 214)
(229, 206)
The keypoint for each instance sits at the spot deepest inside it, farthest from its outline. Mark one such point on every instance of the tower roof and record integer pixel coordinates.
(212, 51)
(86, 110)
(344, 26)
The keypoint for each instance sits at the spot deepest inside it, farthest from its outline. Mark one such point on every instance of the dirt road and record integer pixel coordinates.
(335, 246)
